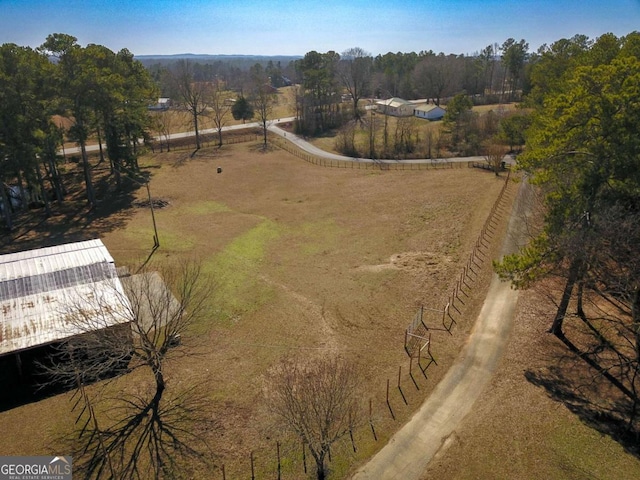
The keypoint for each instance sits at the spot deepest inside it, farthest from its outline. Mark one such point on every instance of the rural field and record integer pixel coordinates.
(306, 261)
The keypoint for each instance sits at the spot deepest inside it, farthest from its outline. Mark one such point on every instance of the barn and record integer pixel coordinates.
(40, 288)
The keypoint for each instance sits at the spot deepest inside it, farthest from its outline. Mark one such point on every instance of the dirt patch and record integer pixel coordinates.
(408, 261)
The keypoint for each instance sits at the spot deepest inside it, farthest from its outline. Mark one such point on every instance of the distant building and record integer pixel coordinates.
(395, 106)
(164, 103)
(429, 112)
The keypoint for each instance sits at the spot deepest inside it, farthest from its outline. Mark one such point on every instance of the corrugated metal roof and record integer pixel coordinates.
(51, 259)
(42, 290)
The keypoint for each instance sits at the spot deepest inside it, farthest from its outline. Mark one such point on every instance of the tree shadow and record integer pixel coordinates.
(72, 220)
(610, 417)
(262, 148)
(142, 436)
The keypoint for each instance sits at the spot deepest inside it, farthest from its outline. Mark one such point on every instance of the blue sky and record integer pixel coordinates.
(293, 27)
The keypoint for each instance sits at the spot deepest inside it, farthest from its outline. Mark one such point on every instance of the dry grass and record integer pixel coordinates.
(309, 261)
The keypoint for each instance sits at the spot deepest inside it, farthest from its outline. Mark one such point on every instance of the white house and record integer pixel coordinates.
(164, 103)
(395, 106)
(429, 112)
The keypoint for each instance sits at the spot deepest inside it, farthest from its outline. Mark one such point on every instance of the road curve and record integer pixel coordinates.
(301, 143)
(409, 451)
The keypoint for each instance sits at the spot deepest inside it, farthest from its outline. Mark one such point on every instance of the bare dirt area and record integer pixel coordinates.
(539, 416)
(306, 261)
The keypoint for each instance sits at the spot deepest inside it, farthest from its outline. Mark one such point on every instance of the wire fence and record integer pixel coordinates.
(206, 140)
(289, 458)
(362, 164)
(466, 277)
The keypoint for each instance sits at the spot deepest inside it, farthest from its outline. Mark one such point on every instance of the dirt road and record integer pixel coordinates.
(410, 450)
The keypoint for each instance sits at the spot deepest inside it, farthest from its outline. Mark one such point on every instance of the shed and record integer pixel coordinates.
(38, 287)
(429, 112)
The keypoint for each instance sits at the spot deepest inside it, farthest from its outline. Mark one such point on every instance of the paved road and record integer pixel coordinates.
(409, 451)
(303, 144)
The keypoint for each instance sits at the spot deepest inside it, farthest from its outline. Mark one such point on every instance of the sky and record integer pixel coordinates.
(293, 27)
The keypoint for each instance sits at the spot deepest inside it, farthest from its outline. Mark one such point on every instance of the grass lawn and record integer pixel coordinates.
(305, 261)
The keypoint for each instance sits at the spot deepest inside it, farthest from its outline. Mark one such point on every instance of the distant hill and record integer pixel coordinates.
(237, 60)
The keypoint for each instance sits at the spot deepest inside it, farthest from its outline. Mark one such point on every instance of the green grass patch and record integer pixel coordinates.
(236, 272)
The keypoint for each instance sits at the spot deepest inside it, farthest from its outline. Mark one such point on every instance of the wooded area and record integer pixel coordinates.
(583, 154)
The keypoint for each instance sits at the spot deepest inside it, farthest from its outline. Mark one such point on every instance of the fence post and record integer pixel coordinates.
(388, 403)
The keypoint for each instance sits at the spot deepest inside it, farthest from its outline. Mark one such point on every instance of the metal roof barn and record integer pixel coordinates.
(40, 290)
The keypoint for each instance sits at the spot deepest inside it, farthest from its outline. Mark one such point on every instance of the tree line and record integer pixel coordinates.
(323, 80)
(583, 155)
(105, 94)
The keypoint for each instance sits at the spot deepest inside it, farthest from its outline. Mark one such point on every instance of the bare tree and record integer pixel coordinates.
(317, 400)
(263, 99)
(193, 94)
(219, 107)
(164, 123)
(346, 140)
(434, 76)
(354, 69)
(494, 154)
(133, 326)
(404, 136)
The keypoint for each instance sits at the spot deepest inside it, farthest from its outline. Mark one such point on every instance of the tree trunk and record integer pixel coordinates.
(22, 191)
(6, 210)
(100, 146)
(195, 126)
(321, 473)
(43, 192)
(556, 326)
(91, 194)
(55, 179)
(635, 319)
(264, 132)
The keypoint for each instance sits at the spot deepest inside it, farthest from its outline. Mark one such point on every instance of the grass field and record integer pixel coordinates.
(306, 261)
